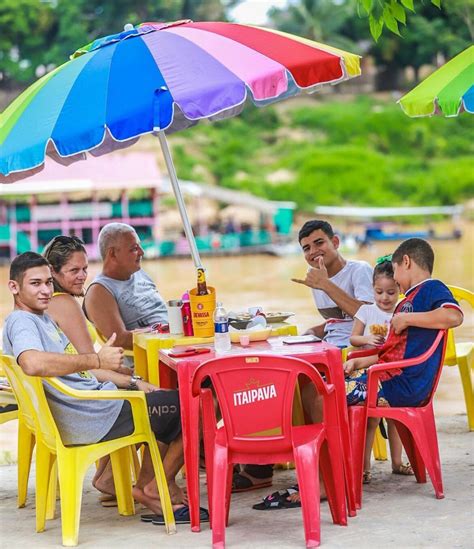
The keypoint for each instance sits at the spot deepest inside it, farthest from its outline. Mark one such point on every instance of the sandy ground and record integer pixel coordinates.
(397, 512)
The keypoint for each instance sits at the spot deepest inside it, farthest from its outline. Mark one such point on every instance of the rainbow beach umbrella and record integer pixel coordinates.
(158, 78)
(448, 91)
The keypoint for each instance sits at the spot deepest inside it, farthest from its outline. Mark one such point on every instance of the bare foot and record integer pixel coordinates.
(177, 494)
(254, 480)
(296, 498)
(151, 503)
(104, 481)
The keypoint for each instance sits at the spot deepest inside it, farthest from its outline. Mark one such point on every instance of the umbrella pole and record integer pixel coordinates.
(188, 230)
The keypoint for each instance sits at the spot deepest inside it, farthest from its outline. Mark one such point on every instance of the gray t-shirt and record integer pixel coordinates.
(138, 300)
(78, 421)
(355, 278)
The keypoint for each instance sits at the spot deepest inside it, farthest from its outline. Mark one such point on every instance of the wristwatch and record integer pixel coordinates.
(133, 383)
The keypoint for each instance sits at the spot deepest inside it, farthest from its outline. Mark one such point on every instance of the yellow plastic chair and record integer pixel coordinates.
(462, 354)
(73, 461)
(26, 440)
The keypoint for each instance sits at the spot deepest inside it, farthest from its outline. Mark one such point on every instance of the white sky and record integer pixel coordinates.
(255, 11)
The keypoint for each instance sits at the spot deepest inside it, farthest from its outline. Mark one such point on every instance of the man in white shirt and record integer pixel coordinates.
(339, 286)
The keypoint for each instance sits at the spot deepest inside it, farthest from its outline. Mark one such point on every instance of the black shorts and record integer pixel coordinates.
(163, 411)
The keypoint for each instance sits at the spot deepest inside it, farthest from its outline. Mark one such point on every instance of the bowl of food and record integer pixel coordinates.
(254, 335)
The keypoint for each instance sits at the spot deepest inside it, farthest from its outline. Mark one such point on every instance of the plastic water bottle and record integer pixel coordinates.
(221, 328)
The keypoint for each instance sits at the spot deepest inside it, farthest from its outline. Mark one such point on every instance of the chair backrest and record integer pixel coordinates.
(255, 396)
(460, 294)
(440, 341)
(32, 402)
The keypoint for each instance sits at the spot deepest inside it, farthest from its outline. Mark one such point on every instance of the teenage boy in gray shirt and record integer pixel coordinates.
(38, 345)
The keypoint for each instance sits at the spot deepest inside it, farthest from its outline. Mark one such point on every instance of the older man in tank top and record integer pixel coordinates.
(122, 297)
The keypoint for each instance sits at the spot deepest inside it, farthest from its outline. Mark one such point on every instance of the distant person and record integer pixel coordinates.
(122, 297)
(229, 227)
(371, 326)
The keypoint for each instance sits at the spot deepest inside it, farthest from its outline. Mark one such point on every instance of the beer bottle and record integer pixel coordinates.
(201, 282)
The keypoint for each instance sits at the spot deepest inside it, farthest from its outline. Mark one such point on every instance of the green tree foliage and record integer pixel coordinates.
(25, 25)
(44, 33)
(431, 34)
(389, 14)
(320, 20)
(361, 152)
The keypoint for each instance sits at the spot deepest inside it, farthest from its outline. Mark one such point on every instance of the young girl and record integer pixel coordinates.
(371, 325)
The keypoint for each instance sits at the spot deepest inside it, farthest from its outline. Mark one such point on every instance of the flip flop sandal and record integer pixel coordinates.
(278, 500)
(108, 500)
(367, 477)
(148, 518)
(241, 483)
(403, 469)
(182, 516)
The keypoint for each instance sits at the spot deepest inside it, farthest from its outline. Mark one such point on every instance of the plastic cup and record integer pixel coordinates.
(244, 340)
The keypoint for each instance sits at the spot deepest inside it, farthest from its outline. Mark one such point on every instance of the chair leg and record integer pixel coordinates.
(44, 467)
(26, 443)
(412, 451)
(208, 437)
(358, 426)
(163, 491)
(52, 491)
(380, 447)
(306, 461)
(333, 476)
(466, 380)
(424, 439)
(135, 463)
(71, 472)
(122, 473)
(219, 496)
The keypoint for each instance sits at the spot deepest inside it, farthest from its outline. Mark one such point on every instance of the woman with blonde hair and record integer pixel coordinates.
(67, 257)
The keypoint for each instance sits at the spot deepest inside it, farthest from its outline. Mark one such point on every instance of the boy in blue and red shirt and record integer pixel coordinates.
(428, 306)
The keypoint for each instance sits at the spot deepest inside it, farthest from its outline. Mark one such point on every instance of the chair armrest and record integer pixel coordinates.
(375, 371)
(94, 395)
(363, 353)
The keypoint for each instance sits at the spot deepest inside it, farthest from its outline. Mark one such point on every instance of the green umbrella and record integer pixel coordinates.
(448, 91)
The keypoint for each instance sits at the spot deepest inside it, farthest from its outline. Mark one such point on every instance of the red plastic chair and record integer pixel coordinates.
(415, 425)
(255, 396)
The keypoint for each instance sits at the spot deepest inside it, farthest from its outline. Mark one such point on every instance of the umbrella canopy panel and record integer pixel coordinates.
(448, 91)
(158, 77)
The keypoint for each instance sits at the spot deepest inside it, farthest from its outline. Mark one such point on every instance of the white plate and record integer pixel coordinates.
(278, 317)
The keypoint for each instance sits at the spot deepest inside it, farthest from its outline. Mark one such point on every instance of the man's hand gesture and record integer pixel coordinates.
(316, 277)
(110, 358)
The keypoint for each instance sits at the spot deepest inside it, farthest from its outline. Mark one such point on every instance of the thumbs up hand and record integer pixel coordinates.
(110, 357)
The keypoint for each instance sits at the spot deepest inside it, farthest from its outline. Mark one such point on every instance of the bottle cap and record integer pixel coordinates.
(219, 303)
(185, 296)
